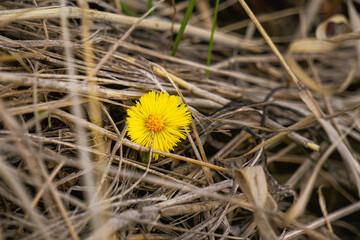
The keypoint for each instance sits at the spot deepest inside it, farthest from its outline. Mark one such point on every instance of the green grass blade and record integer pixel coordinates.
(127, 10)
(150, 4)
(208, 60)
(188, 13)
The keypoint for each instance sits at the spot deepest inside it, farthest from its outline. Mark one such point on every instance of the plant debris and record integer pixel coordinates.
(273, 150)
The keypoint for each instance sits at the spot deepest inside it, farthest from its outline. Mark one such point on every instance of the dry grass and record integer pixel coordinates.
(274, 151)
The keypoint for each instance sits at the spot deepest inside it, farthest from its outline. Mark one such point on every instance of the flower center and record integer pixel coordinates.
(155, 123)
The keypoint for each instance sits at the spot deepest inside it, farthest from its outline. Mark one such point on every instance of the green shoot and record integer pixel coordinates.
(127, 10)
(188, 13)
(150, 4)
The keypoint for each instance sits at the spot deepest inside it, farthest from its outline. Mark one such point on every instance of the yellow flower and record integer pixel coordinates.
(162, 114)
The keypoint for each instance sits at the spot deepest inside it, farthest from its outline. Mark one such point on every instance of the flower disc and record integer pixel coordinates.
(162, 114)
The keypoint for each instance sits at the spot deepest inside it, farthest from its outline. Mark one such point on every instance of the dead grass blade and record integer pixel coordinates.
(252, 181)
(73, 12)
(277, 113)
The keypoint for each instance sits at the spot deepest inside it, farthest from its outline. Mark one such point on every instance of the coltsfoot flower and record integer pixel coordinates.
(162, 114)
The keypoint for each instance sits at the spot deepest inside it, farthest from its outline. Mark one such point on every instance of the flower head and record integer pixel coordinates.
(162, 114)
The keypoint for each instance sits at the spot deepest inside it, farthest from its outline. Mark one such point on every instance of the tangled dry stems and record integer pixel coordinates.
(266, 158)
